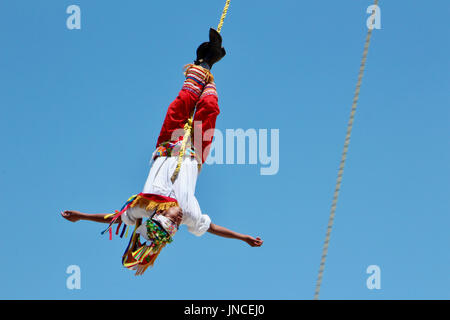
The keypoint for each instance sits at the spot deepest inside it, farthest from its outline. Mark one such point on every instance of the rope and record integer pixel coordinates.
(342, 163)
(224, 14)
(187, 133)
(188, 126)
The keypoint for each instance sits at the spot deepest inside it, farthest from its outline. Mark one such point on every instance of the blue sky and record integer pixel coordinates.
(81, 110)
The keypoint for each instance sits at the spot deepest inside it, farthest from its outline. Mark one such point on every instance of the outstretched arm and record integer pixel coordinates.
(75, 216)
(227, 233)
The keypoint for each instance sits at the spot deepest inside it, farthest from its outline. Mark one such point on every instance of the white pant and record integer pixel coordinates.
(183, 190)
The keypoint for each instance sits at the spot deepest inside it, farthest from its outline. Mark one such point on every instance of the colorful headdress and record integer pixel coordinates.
(159, 231)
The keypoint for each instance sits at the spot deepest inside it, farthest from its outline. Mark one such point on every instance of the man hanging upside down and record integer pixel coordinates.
(167, 200)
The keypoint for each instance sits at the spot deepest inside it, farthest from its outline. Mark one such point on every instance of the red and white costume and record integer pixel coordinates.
(198, 93)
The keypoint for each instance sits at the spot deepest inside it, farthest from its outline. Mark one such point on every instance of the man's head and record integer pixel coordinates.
(175, 214)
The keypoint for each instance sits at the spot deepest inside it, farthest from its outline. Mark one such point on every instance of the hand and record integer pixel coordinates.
(71, 215)
(254, 242)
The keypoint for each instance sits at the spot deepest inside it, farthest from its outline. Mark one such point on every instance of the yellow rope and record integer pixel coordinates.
(342, 163)
(188, 126)
(224, 14)
(187, 133)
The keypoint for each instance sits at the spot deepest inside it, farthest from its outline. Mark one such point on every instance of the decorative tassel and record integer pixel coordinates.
(123, 230)
(110, 234)
(151, 205)
(108, 216)
(118, 227)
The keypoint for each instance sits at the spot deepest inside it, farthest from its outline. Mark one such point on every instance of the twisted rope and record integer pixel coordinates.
(188, 126)
(224, 14)
(342, 163)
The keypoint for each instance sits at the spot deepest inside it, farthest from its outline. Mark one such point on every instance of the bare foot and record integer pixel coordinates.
(254, 242)
(71, 215)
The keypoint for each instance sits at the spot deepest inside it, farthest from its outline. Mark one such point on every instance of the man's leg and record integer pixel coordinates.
(182, 107)
(205, 119)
